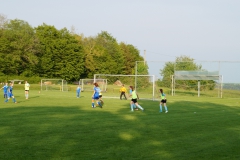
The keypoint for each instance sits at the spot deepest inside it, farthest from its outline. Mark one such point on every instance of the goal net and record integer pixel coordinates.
(201, 81)
(54, 85)
(143, 84)
(87, 84)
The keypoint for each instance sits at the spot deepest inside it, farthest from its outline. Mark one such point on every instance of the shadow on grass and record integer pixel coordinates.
(77, 132)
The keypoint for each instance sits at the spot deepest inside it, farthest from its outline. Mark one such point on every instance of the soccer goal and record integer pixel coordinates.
(54, 85)
(199, 80)
(87, 84)
(143, 84)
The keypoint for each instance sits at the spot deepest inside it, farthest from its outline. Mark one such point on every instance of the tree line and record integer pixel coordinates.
(45, 51)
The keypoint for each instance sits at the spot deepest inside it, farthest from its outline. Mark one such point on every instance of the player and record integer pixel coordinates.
(78, 90)
(130, 96)
(134, 100)
(27, 86)
(10, 93)
(5, 89)
(95, 96)
(163, 101)
(123, 90)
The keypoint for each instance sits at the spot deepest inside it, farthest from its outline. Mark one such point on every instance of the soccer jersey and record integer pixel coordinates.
(123, 89)
(96, 93)
(10, 92)
(5, 89)
(134, 95)
(27, 85)
(78, 89)
(162, 96)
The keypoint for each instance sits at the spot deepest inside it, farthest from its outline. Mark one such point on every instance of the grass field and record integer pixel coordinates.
(57, 125)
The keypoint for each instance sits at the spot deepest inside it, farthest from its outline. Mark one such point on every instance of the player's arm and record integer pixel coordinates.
(137, 96)
(130, 95)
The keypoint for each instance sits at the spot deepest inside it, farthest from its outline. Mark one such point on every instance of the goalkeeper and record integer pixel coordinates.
(123, 91)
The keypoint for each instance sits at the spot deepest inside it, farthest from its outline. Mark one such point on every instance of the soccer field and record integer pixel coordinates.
(57, 125)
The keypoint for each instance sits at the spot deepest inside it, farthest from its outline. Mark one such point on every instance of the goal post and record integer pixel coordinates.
(54, 85)
(143, 84)
(87, 84)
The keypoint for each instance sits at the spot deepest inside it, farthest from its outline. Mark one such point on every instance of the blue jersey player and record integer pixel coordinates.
(95, 96)
(10, 93)
(78, 90)
(5, 89)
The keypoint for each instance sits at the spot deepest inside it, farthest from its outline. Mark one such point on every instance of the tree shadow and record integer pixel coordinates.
(77, 132)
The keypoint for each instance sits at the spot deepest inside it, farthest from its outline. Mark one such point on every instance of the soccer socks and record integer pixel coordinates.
(26, 95)
(92, 104)
(100, 105)
(14, 100)
(160, 108)
(132, 107)
(165, 108)
(140, 107)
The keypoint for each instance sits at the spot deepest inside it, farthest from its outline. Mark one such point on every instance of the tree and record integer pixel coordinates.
(19, 48)
(131, 55)
(111, 59)
(181, 63)
(61, 55)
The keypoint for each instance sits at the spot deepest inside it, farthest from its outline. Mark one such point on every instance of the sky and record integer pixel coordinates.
(205, 30)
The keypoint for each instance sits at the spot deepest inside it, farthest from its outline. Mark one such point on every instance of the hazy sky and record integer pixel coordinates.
(201, 29)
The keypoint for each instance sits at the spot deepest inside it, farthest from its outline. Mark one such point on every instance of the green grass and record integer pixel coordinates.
(57, 125)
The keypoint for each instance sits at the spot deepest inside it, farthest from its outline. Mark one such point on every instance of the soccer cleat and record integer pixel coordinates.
(166, 112)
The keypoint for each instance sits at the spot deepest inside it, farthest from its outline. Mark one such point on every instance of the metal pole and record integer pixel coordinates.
(135, 76)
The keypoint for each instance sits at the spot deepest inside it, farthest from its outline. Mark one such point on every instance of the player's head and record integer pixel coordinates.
(123, 85)
(95, 84)
(161, 90)
(131, 87)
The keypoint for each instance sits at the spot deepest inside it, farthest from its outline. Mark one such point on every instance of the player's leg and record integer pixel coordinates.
(93, 106)
(165, 106)
(6, 100)
(5, 95)
(121, 95)
(13, 99)
(140, 107)
(125, 95)
(132, 105)
(99, 103)
(160, 106)
(26, 94)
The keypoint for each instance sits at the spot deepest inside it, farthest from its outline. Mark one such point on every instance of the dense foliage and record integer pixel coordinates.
(47, 52)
